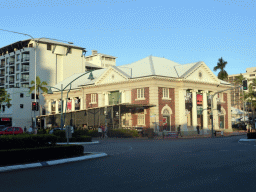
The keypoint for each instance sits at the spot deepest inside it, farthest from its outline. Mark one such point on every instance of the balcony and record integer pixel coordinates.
(2, 75)
(11, 63)
(11, 82)
(24, 79)
(11, 72)
(23, 69)
(1, 84)
(24, 59)
(2, 65)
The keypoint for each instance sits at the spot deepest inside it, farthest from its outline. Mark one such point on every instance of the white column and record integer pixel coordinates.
(182, 108)
(194, 109)
(122, 96)
(106, 99)
(205, 117)
(49, 106)
(73, 104)
(81, 103)
(215, 113)
(57, 106)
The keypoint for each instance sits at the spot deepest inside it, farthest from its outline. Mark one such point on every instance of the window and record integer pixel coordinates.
(251, 75)
(49, 47)
(165, 93)
(21, 106)
(3, 108)
(141, 119)
(140, 93)
(33, 96)
(17, 76)
(30, 45)
(93, 98)
(18, 57)
(69, 50)
(7, 70)
(17, 85)
(17, 67)
(21, 95)
(6, 80)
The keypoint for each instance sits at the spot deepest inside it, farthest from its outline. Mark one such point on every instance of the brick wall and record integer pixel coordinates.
(225, 106)
(88, 101)
(170, 103)
(144, 101)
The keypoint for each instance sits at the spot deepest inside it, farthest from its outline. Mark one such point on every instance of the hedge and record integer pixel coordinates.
(93, 133)
(26, 141)
(251, 135)
(124, 133)
(29, 155)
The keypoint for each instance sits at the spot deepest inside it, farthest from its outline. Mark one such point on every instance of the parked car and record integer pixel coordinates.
(12, 131)
(55, 129)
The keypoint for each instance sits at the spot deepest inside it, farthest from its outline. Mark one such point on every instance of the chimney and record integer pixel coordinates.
(94, 52)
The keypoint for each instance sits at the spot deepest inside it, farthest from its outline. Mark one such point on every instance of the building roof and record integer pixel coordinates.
(149, 66)
(88, 64)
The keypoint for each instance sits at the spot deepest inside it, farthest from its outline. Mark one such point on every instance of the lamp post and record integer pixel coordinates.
(36, 44)
(62, 89)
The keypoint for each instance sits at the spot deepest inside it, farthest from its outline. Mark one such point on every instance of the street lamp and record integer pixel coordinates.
(62, 89)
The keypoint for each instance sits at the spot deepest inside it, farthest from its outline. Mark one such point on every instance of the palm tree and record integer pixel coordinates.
(39, 86)
(223, 75)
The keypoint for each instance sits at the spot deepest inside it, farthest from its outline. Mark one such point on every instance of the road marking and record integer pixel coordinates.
(223, 150)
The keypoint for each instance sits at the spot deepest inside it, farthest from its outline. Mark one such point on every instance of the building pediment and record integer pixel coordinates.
(200, 72)
(111, 75)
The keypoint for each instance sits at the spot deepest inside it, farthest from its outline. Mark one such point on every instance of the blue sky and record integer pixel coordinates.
(183, 31)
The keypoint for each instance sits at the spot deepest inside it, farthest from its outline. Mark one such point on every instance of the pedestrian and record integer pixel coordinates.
(30, 130)
(197, 127)
(100, 132)
(25, 129)
(179, 133)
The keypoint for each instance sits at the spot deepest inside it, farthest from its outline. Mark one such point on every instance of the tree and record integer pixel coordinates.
(223, 75)
(39, 87)
(5, 98)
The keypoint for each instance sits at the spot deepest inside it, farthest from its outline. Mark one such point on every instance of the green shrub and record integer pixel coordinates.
(59, 133)
(251, 135)
(124, 133)
(26, 141)
(18, 156)
(41, 131)
(80, 132)
(93, 133)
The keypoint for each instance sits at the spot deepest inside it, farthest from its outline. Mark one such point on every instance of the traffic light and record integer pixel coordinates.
(34, 106)
(244, 84)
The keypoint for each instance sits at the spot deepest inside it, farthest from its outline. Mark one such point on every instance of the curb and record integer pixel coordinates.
(247, 140)
(80, 143)
(53, 162)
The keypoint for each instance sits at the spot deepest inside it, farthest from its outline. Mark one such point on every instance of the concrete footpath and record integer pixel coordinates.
(87, 155)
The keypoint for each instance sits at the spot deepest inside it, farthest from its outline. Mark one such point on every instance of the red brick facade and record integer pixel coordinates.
(88, 101)
(225, 106)
(134, 100)
(170, 103)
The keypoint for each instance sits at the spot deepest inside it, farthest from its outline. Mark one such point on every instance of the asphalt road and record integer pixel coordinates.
(205, 164)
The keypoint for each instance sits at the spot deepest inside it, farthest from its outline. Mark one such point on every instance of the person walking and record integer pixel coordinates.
(179, 133)
(100, 132)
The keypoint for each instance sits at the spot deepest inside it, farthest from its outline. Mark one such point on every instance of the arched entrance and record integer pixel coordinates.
(166, 112)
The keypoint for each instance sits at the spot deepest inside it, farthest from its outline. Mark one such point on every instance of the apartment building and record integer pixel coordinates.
(237, 93)
(53, 61)
(153, 93)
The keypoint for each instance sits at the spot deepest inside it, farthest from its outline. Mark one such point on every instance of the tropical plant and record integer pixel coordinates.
(5, 98)
(239, 79)
(39, 87)
(223, 75)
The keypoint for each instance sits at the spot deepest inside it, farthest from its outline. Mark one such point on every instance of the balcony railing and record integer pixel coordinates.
(25, 59)
(11, 72)
(25, 69)
(11, 63)
(2, 75)
(24, 79)
(113, 102)
(2, 65)
(1, 84)
(11, 82)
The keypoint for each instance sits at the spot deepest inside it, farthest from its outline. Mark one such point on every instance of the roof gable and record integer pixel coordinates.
(200, 72)
(112, 75)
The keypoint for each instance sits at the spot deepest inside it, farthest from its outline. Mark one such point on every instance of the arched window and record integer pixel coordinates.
(166, 112)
